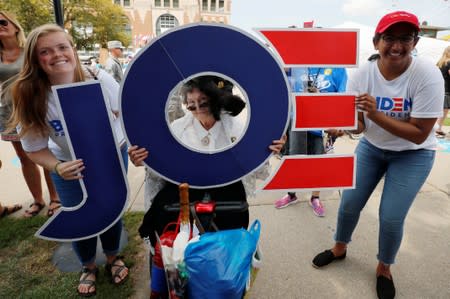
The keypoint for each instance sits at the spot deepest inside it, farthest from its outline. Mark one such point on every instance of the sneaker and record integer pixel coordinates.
(317, 207)
(356, 136)
(329, 146)
(440, 134)
(285, 201)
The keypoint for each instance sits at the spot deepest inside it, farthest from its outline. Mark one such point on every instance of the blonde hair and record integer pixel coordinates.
(30, 90)
(444, 58)
(20, 34)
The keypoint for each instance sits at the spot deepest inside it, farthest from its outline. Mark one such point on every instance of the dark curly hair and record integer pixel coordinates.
(219, 93)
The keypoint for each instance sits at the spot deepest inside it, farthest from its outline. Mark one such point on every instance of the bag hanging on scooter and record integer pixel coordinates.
(218, 264)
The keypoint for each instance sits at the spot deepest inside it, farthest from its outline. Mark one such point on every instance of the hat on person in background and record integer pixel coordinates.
(397, 17)
(115, 44)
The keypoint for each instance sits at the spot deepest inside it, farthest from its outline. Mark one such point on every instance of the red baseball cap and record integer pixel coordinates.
(397, 17)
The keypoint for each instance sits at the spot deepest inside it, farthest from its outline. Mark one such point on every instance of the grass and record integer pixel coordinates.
(447, 121)
(26, 269)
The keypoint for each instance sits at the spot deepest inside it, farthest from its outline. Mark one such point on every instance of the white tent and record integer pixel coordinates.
(430, 48)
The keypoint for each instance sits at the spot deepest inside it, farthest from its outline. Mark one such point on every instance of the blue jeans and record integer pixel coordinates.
(71, 194)
(305, 143)
(405, 172)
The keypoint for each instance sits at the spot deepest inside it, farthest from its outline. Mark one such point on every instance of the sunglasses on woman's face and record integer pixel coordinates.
(4, 23)
(193, 107)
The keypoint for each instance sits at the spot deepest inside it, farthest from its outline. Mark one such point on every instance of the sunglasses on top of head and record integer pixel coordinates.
(4, 23)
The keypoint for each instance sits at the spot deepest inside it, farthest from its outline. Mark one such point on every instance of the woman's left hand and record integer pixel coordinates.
(277, 145)
(70, 170)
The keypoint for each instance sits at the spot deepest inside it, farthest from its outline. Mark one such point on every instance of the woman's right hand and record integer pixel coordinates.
(137, 155)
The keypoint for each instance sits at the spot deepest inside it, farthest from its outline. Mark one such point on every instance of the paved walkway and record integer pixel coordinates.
(292, 236)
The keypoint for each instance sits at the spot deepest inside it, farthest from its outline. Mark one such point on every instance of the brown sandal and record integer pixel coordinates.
(51, 211)
(8, 210)
(119, 268)
(90, 283)
(31, 213)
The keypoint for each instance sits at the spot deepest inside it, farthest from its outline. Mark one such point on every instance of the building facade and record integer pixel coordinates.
(150, 18)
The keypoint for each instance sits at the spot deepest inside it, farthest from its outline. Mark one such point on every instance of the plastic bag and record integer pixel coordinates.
(219, 263)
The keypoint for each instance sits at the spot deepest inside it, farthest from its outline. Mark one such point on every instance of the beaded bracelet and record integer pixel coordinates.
(55, 169)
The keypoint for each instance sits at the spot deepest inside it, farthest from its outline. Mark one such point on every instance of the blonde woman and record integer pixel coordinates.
(12, 41)
(51, 59)
(444, 66)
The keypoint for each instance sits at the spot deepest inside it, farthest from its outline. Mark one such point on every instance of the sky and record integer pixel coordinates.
(248, 14)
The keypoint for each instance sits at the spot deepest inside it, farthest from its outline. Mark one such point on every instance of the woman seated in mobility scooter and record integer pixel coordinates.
(211, 123)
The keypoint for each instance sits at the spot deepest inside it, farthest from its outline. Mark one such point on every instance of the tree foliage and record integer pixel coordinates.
(88, 21)
(30, 13)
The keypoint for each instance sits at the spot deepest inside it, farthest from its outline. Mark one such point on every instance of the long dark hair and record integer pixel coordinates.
(219, 92)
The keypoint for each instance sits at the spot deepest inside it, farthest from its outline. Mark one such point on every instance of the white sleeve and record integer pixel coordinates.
(427, 91)
(111, 89)
(33, 142)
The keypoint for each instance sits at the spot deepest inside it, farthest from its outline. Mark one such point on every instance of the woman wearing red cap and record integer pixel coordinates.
(400, 98)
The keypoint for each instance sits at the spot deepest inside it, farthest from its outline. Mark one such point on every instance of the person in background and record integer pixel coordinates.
(311, 142)
(398, 144)
(7, 210)
(127, 61)
(12, 41)
(113, 64)
(51, 59)
(444, 66)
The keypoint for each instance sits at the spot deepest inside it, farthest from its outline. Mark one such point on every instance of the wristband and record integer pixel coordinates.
(55, 169)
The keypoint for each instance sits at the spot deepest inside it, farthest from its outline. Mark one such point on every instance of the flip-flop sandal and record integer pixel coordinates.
(8, 210)
(119, 269)
(440, 134)
(56, 206)
(85, 273)
(31, 213)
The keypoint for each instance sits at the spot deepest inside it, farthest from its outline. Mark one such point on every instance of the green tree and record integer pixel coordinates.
(106, 20)
(30, 13)
(88, 21)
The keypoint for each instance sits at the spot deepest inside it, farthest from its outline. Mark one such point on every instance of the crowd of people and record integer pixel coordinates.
(397, 146)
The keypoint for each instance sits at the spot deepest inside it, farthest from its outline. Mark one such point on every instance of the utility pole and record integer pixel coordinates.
(57, 7)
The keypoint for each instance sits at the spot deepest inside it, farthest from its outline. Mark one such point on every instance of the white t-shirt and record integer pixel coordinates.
(223, 134)
(418, 93)
(56, 141)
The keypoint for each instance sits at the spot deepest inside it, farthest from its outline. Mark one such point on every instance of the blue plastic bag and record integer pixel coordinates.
(219, 263)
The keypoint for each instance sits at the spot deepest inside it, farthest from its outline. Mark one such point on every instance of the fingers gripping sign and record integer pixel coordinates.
(70, 170)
